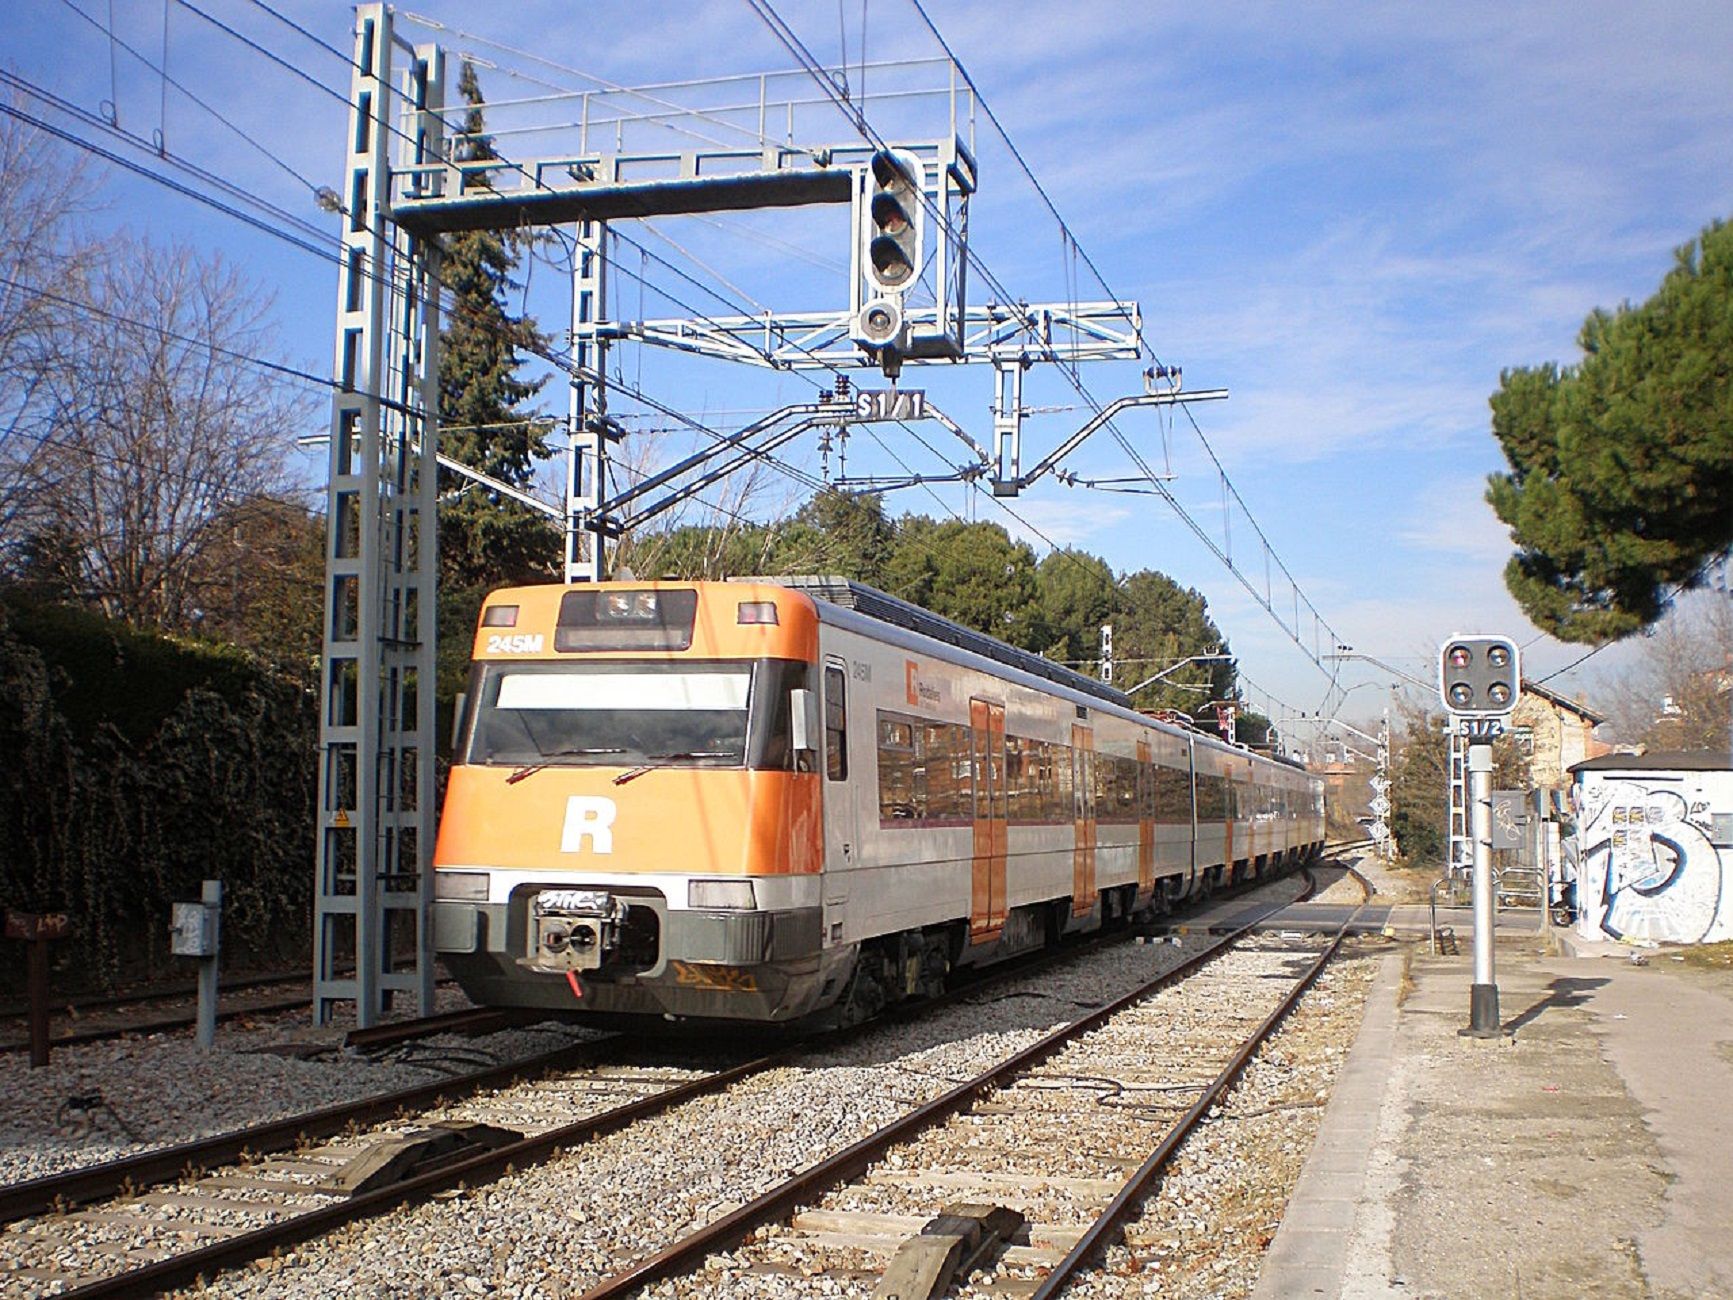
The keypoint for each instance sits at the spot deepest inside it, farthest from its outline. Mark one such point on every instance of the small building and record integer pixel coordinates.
(1556, 733)
(1346, 786)
(1655, 846)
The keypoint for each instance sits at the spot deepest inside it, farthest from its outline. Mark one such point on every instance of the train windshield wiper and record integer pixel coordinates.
(530, 769)
(663, 760)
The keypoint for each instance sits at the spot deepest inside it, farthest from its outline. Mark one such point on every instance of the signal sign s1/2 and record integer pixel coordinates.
(1480, 728)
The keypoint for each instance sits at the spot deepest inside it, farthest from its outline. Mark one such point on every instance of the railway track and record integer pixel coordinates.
(233, 1213)
(468, 1019)
(1022, 1168)
(218, 1216)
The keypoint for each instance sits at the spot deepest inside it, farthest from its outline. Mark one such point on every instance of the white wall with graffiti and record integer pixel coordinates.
(1655, 850)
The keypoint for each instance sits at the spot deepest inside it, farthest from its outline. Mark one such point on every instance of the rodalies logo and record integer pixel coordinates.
(917, 691)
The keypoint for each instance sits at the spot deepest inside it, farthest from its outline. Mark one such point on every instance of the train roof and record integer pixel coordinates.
(901, 613)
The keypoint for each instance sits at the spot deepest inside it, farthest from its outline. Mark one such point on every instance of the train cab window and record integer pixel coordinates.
(835, 724)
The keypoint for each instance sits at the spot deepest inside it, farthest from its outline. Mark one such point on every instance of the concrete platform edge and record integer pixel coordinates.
(1309, 1255)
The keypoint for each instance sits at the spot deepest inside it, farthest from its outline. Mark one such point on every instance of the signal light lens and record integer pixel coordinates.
(889, 215)
(1498, 656)
(1461, 695)
(1459, 656)
(1498, 693)
(879, 323)
(890, 263)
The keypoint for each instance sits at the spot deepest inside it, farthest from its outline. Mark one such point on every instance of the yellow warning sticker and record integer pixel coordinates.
(341, 820)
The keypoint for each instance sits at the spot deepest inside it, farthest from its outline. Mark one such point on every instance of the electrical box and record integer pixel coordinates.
(193, 930)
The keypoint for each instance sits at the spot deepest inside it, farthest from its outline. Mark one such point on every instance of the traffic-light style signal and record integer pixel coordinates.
(1479, 676)
(893, 233)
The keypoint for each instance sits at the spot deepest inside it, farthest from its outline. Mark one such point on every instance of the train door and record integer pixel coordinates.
(1191, 814)
(1145, 819)
(842, 847)
(1082, 820)
(992, 807)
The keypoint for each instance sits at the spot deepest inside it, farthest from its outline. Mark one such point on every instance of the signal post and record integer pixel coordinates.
(1479, 678)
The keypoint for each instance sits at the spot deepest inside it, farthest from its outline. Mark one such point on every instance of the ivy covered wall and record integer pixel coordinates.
(137, 766)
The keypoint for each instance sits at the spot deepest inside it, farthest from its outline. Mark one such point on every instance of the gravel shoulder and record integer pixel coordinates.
(101, 1101)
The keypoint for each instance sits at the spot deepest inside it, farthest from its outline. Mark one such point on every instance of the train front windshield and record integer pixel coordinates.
(612, 714)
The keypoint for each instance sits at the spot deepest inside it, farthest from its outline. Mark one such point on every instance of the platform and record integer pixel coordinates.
(1588, 1152)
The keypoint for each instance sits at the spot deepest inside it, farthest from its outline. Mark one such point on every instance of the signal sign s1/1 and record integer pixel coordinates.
(890, 404)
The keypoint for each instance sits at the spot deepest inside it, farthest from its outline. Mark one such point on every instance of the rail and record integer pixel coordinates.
(118, 1178)
(733, 1229)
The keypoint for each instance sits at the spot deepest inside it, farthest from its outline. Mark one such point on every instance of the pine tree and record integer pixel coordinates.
(1621, 466)
(486, 539)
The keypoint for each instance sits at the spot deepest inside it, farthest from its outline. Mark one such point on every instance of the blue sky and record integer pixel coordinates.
(1350, 215)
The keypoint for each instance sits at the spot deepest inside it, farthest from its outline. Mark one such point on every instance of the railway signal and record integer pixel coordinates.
(893, 229)
(890, 253)
(1479, 676)
(1479, 679)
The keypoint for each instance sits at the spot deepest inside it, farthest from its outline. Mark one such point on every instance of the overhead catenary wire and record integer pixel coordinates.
(634, 395)
(271, 156)
(856, 115)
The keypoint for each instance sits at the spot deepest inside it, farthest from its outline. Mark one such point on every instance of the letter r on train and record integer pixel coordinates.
(591, 817)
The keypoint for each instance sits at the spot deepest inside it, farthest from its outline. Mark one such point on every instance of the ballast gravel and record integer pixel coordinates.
(101, 1101)
(1202, 1233)
(553, 1230)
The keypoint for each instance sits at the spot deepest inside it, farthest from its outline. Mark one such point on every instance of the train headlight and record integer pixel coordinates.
(724, 895)
(460, 886)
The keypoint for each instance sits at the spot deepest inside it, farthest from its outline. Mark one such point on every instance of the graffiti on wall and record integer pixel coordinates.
(1650, 870)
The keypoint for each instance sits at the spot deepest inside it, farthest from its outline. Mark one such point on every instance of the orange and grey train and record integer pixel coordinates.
(800, 799)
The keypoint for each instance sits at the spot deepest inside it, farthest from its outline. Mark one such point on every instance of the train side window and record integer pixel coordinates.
(897, 766)
(835, 724)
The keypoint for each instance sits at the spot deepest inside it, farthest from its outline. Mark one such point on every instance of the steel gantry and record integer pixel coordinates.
(376, 776)
(405, 190)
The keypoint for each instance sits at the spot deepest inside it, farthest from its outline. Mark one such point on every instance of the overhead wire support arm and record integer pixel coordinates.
(820, 340)
(1012, 485)
(738, 441)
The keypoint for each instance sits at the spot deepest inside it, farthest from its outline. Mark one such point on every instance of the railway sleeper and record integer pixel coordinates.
(394, 1160)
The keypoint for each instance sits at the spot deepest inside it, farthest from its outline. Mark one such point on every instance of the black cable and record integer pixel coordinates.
(856, 115)
(161, 72)
(169, 182)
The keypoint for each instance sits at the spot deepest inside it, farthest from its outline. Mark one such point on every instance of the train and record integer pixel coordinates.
(799, 800)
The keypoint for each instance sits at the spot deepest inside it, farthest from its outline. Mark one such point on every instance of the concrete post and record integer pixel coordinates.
(212, 899)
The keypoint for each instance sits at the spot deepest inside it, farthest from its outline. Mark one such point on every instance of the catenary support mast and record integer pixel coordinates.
(376, 796)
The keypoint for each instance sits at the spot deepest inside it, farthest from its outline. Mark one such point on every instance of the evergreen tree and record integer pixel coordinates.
(1157, 622)
(1621, 467)
(972, 573)
(1078, 593)
(485, 539)
(838, 532)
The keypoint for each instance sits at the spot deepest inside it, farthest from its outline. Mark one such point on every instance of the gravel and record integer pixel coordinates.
(1203, 1232)
(554, 1229)
(163, 1089)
